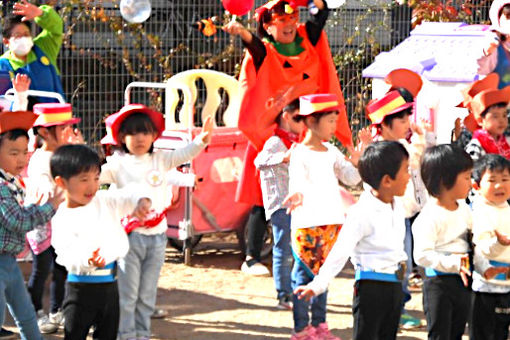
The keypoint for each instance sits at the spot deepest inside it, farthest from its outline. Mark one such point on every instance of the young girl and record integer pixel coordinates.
(316, 205)
(441, 240)
(135, 127)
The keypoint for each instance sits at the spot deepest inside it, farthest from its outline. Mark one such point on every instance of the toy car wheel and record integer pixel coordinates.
(267, 246)
(177, 244)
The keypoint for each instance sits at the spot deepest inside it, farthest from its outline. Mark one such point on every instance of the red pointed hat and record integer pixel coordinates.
(51, 114)
(407, 79)
(23, 120)
(490, 82)
(391, 103)
(318, 103)
(114, 121)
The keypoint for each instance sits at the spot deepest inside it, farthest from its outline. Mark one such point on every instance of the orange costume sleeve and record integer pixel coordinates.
(279, 80)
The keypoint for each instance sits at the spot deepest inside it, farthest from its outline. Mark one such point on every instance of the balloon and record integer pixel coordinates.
(135, 11)
(238, 7)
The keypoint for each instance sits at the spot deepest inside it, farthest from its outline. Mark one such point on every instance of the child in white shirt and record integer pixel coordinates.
(135, 127)
(441, 243)
(316, 205)
(490, 307)
(89, 240)
(373, 237)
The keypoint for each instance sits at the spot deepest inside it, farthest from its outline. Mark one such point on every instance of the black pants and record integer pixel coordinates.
(490, 316)
(42, 265)
(446, 303)
(376, 309)
(91, 304)
(256, 229)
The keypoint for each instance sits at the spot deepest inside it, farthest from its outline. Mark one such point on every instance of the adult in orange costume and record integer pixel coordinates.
(286, 60)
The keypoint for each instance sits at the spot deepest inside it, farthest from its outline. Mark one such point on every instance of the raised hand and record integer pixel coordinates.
(27, 10)
(56, 197)
(355, 154)
(72, 136)
(21, 82)
(97, 260)
(207, 129)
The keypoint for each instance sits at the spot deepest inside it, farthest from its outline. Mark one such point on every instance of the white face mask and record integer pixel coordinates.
(21, 46)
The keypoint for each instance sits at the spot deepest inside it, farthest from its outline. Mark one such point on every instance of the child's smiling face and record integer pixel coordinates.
(495, 186)
(80, 189)
(283, 28)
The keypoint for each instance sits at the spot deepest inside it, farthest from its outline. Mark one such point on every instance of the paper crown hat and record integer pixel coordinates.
(485, 99)
(51, 114)
(10, 120)
(491, 81)
(268, 6)
(494, 15)
(114, 121)
(312, 103)
(407, 79)
(391, 103)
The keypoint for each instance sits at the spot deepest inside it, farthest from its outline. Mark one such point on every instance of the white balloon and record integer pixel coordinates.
(335, 3)
(135, 11)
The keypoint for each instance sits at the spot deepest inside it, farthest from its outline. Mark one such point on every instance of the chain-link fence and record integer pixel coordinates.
(102, 53)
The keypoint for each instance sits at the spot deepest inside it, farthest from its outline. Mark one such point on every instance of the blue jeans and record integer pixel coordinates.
(301, 307)
(138, 283)
(15, 295)
(282, 253)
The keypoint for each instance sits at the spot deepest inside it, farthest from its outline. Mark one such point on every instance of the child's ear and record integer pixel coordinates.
(60, 182)
(386, 181)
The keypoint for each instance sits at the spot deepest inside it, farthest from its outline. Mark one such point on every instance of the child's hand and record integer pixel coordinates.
(457, 129)
(56, 197)
(491, 47)
(72, 136)
(426, 125)
(355, 154)
(417, 129)
(464, 271)
(303, 292)
(502, 238)
(293, 201)
(21, 82)
(491, 272)
(96, 260)
(365, 138)
(207, 129)
(142, 208)
(26, 9)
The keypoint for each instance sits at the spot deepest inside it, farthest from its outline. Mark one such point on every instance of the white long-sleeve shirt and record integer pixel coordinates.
(78, 232)
(315, 174)
(440, 236)
(372, 236)
(148, 172)
(488, 217)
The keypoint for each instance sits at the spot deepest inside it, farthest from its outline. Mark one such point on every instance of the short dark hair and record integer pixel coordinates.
(440, 166)
(408, 97)
(490, 162)
(290, 107)
(13, 135)
(137, 122)
(267, 17)
(380, 159)
(12, 21)
(495, 106)
(388, 120)
(73, 159)
(51, 129)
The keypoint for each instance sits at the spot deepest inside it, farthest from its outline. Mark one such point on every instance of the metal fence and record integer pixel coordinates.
(102, 54)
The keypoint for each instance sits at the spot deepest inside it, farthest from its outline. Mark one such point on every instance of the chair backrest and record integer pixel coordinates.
(213, 81)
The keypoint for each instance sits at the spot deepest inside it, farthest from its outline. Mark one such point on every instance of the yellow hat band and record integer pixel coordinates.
(308, 107)
(46, 118)
(384, 110)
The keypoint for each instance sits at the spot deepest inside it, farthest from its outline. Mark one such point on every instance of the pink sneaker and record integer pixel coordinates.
(322, 333)
(309, 333)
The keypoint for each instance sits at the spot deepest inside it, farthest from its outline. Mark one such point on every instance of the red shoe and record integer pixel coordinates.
(322, 332)
(309, 333)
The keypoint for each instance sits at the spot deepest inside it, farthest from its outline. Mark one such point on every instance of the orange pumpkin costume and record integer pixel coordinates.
(281, 79)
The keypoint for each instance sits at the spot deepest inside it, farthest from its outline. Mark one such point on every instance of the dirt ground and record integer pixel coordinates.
(213, 299)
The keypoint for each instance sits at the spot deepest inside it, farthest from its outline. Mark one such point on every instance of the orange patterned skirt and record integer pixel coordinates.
(311, 246)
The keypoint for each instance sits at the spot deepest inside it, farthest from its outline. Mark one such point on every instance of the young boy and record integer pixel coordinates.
(16, 219)
(441, 240)
(54, 127)
(373, 236)
(88, 240)
(489, 108)
(273, 164)
(491, 234)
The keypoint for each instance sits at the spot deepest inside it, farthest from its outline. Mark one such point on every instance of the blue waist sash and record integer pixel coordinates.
(430, 272)
(368, 275)
(100, 275)
(500, 276)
